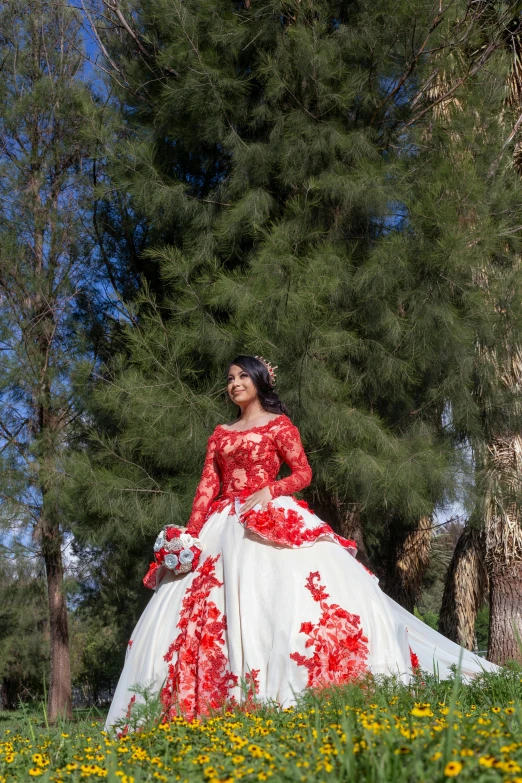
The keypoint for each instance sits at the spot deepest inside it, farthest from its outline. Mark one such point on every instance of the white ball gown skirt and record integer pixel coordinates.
(279, 617)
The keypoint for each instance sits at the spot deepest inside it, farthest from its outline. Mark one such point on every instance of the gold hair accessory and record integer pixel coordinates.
(271, 370)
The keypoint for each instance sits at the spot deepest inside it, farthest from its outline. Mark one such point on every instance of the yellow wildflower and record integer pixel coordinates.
(453, 768)
(422, 712)
(508, 766)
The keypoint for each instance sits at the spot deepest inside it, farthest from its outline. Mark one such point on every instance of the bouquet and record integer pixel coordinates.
(175, 550)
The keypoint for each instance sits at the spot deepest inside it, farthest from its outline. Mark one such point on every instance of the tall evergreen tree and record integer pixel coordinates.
(24, 630)
(291, 157)
(45, 283)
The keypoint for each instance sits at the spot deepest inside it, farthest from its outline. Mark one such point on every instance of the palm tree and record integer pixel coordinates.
(503, 456)
(493, 556)
(406, 560)
(464, 589)
(502, 479)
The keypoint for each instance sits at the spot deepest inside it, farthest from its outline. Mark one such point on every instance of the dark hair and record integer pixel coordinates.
(268, 397)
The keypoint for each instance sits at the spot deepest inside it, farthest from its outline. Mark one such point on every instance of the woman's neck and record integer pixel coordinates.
(252, 411)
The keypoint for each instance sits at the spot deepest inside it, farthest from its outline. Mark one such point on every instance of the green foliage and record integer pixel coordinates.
(302, 220)
(299, 204)
(107, 604)
(429, 617)
(482, 628)
(98, 653)
(24, 638)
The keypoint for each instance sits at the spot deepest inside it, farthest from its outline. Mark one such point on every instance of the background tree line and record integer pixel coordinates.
(334, 185)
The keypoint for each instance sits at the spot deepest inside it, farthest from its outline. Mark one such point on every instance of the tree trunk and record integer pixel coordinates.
(503, 530)
(464, 588)
(403, 575)
(350, 527)
(505, 620)
(59, 700)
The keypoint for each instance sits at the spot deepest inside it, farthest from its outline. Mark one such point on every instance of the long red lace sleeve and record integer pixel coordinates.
(207, 491)
(290, 448)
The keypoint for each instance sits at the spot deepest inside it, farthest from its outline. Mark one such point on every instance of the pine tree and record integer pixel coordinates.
(46, 287)
(310, 210)
(24, 630)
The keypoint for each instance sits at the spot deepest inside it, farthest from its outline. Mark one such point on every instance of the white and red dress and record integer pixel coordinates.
(278, 600)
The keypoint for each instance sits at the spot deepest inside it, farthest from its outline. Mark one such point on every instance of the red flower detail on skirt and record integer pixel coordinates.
(198, 680)
(287, 527)
(340, 647)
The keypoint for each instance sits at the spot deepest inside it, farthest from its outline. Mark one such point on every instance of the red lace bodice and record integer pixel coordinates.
(240, 463)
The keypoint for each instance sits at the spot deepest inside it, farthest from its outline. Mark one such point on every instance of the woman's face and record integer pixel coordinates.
(241, 389)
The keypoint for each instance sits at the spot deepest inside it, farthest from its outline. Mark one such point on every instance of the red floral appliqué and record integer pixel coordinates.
(287, 527)
(243, 462)
(198, 680)
(340, 647)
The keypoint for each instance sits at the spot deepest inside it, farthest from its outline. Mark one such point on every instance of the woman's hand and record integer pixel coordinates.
(262, 496)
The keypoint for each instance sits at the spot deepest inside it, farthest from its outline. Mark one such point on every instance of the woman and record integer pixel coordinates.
(278, 601)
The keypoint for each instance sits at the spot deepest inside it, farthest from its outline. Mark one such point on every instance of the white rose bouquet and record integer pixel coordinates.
(176, 550)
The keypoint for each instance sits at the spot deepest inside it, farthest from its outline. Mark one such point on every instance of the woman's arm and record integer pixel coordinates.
(291, 450)
(207, 491)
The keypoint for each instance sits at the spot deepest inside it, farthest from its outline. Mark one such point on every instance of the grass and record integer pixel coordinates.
(375, 731)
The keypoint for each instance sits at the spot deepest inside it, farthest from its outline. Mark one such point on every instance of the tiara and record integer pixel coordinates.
(271, 370)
